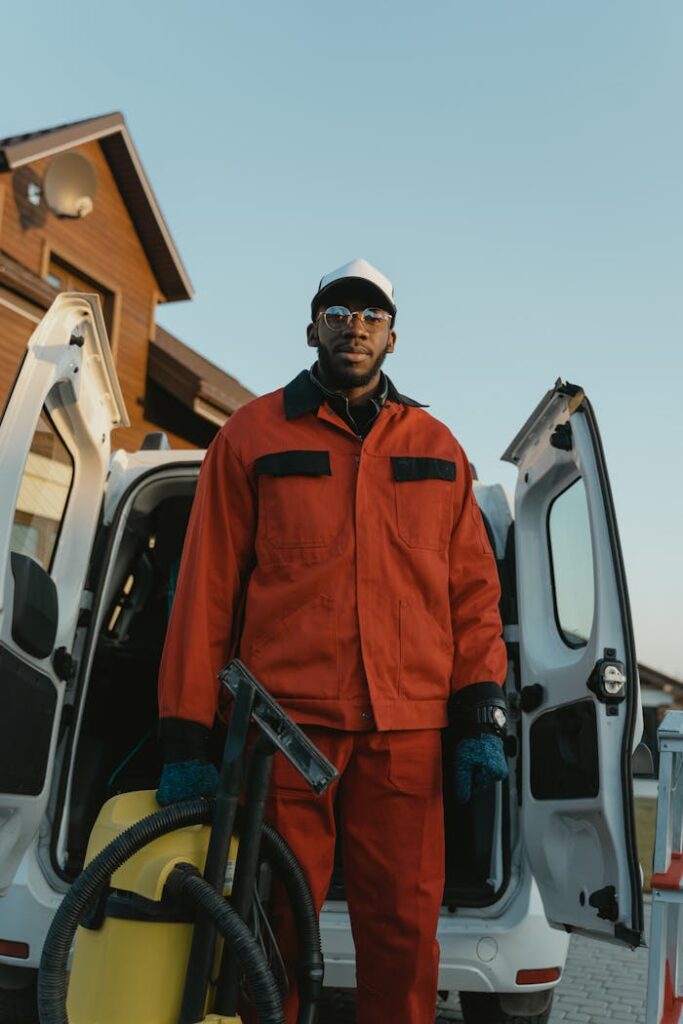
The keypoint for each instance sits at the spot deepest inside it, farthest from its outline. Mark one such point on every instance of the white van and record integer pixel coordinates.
(88, 541)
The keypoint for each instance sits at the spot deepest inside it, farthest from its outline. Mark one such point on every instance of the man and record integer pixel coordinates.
(336, 545)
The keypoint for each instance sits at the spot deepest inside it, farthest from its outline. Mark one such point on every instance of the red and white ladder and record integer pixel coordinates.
(665, 974)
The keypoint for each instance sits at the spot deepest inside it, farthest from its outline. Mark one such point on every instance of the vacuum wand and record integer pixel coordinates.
(275, 723)
(252, 702)
(227, 798)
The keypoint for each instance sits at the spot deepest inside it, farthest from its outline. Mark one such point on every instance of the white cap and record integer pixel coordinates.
(357, 270)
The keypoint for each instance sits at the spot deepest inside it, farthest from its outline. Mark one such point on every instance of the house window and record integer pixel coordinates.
(66, 278)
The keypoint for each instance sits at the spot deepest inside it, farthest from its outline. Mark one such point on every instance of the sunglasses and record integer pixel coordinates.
(338, 317)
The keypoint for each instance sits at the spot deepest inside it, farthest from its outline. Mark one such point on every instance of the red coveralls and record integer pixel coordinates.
(356, 581)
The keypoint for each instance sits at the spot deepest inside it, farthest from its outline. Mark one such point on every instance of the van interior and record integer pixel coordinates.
(111, 745)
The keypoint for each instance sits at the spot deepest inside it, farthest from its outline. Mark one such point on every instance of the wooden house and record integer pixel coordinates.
(119, 246)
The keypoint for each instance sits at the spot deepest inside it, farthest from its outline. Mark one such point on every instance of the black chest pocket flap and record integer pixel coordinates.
(296, 498)
(411, 467)
(294, 463)
(424, 500)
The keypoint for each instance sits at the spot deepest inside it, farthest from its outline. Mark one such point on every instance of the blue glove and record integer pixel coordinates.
(479, 763)
(186, 780)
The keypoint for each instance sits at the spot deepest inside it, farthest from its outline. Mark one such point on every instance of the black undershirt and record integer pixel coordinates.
(361, 415)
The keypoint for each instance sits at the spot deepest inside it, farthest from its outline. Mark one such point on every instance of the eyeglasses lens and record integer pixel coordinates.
(374, 317)
(337, 317)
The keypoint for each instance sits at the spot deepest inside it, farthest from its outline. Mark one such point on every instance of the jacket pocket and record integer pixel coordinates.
(296, 657)
(296, 498)
(426, 653)
(424, 500)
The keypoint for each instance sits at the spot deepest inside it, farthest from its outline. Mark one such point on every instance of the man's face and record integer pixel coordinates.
(351, 357)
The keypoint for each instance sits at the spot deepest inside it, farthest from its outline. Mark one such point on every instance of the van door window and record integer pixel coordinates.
(571, 553)
(43, 495)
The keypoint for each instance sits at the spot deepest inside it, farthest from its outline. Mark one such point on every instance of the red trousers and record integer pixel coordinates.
(390, 815)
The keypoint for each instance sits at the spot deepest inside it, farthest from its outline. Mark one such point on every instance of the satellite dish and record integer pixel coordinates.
(69, 185)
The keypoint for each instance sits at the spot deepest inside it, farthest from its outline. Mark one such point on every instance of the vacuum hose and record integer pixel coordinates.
(275, 850)
(185, 882)
(53, 964)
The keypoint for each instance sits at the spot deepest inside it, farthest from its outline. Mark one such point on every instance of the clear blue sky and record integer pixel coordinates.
(515, 167)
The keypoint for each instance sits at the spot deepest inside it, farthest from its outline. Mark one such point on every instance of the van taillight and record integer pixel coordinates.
(15, 949)
(538, 977)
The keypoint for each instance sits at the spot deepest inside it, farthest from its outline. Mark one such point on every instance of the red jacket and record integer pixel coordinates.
(353, 577)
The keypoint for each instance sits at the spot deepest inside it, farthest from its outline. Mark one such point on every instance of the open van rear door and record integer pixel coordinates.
(579, 694)
(54, 455)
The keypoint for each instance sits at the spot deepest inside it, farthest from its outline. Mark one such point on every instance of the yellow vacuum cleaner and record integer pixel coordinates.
(151, 901)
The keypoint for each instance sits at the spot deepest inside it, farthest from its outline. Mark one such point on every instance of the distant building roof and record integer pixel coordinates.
(201, 386)
(111, 133)
(660, 681)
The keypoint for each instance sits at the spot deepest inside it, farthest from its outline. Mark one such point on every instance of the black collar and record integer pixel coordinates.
(302, 395)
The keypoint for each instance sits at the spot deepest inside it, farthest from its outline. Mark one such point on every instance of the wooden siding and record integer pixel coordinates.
(15, 330)
(103, 246)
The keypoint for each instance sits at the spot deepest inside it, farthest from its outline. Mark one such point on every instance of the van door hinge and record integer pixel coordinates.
(66, 720)
(605, 902)
(64, 664)
(608, 678)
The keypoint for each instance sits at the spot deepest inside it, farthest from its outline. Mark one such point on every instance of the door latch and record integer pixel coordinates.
(605, 902)
(608, 679)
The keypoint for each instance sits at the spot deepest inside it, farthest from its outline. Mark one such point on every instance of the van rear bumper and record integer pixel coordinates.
(27, 908)
(478, 954)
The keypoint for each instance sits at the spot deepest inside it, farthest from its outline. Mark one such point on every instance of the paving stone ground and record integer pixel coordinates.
(602, 984)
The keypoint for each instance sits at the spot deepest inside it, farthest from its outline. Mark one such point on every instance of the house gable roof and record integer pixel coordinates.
(199, 384)
(111, 133)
